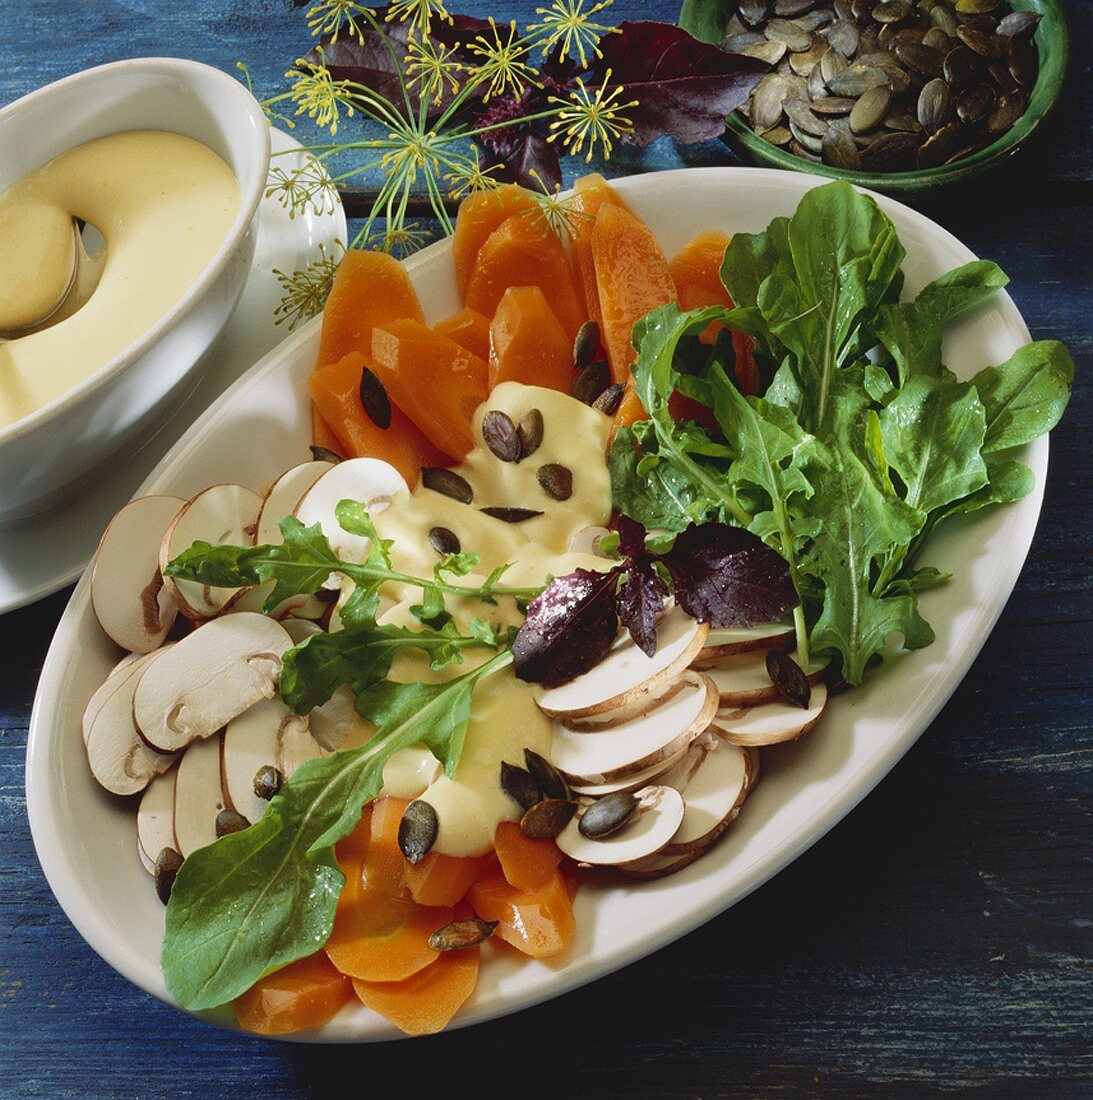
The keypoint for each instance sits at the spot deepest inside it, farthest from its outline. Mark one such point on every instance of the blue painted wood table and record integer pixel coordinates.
(938, 939)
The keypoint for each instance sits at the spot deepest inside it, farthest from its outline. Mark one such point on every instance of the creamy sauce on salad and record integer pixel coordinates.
(163, 204)
(504, 716)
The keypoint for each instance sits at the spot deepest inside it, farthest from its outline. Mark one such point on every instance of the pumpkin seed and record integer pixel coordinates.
(499, 433)
(530, 432)
(546, 819)
(591, 381)
(976, 7)
(228, 821)
(937, 148)
(766, 104)
(809, 141)
(806, 63)
(778, 136)
(856, 80)
(814, 20)
(798, 150)
(978, 41)
(783, 30)
(448, 483)
(833, 105)
(943, 19)
(459, 934)
(609, 401)
(267, 781)
(1007, 110)
(546, 775)
(935, 105)
(519, 785)
(937, 39)
(1022, 61)
(831, 64)
(904, 122)
(417, 830)
(586, 344)
(789, 678)
(163, 875)
(374, 399)
(791, 8)
(1018, 23)
(325, 454)
(844, 37)
(817, 86)
(556, 480)
(891, 11)
(967, 151)
(922, 59)
(444, 541)
(893, 152)
(770, 52)
(801, 116)
(975, 103)
(839, 150)
(512, 515)
(869, 111)
(753, 11)
(734, 43)
(844, 11)
(961, 67)
(607, 815)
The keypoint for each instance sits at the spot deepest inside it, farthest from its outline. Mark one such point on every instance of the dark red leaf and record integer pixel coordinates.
(684, 87)
(568, 629)
(727, 577)
(641, 597)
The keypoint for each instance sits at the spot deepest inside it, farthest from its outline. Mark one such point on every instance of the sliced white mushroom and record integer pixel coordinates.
(714, 787)
(410, 772)
(217, 672)
(370, 481)
(659, 816)
(726, 642)
(156, 819)
(300, 606)
(119, 757)
(661, 864)
(648, 740)
(283, 497)
(631, 782)
(772, 723)
(742, 679)
(332, 722)
(220, 514)
(198, 796)
(250, 742)
(640, 705)
(626, 674)
(295, 745)
(118, 675)
(300, 629)
(127, 590)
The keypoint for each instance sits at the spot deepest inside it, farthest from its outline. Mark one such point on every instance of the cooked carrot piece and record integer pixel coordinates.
(630, 410)
(433, 380)
(304, 994)
(370, 288)
(526, 864)
(523, 251)
(479, 215)
(335, 390)
(632, 276)
(539, 922)
(322, 434)
(425, 1003)
(383, 863)
(527, 342)
(469, 329)
(442, 880)
(589, 194)
(354, 848)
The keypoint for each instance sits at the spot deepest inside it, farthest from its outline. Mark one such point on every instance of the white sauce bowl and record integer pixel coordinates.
(46, 457)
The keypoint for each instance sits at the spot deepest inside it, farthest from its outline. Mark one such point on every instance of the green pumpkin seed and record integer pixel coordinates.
(976, 7)
(843, 36)
(783, 30)
(444, 541)
(892, 152)
(833, 105)
(975, 103)
(587, 343)
(550, 781)
(753, 11)
(267, 781)
(500, 435)
(228, 822)
(1019, 23)
(978, 41)
(780, 135)
(942, 18)
(325, 454)
(939, 146)
(417, 830)
(166, 868)
(766, 104)
(935, 105)
(530, 431)
(839, 150)
(374, 399)
(789, 678)
(448, 483)
(512, 515)
(459, 934)
(546, 819)
(770, 52)
(734, 43)
(1007, 110)
(556, 481)
(869, 111)
(921, 59)
(810, 142)
(891, 11)
(608, 815)
(856, 80)
(801, 116)
(519, 785)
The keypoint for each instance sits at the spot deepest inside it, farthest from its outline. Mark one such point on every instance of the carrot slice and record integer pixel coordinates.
(335, 390)
(432, 379)
(424, 1003)
(630, 410)
(383, 863)
(633, 277)
(304, 994)
(589, 194)
(538, 922)
(469, 329)
(442, 880)
(527, 342)
(479, 215)
(526, 864)
(525, 252)
(322, 434)
(370, 288)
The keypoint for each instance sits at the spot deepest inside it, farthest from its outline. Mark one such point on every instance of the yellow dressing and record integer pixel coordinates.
(163, 204)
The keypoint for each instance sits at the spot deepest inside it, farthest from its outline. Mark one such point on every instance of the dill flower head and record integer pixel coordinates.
(593, 116)
(318, 95)
(502, 66)
(560, 215)
(432, 67)
(566, 25)
(418, 13)
(326, 18)
(467, 175)
(306, 290)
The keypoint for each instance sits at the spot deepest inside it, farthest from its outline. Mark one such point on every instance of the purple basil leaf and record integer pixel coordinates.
(568, 629)
(684, 87)
(727, 577)
(641, 597)
(631, 536)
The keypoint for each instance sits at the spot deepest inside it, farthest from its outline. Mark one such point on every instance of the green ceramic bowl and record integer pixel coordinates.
(1052, 43)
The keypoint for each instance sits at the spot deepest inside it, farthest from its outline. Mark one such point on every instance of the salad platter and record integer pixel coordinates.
(262, 426)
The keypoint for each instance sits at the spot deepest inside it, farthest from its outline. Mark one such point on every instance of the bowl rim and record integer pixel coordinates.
(243, 100)
(919, 180)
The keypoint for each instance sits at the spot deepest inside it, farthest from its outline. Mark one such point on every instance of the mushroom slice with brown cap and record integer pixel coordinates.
(661, 864)
(128, 595)
(660, 813)
(283, 497)
(118, 675)
(626, 673)
(120, 759)
(640, 705)
(630, 782)
(772, 723)
(295, 745)
(651, 739)
(156, 819)
(250, 742)
(742, 679)
(220, 514)
(734, 640)
(217, 672)
(198, 796)
(299, 606)
(370, 481)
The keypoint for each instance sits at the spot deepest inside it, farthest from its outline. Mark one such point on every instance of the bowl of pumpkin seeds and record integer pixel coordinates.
(899, 95)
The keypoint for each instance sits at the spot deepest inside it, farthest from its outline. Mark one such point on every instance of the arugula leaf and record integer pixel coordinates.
(1025, 396)
(658, 494)
(258, 899)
